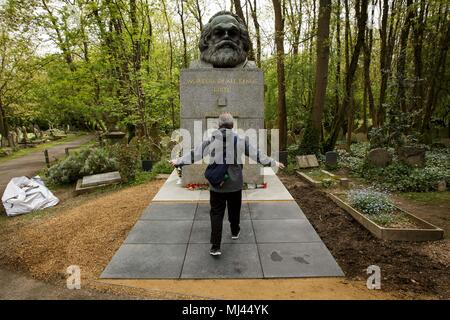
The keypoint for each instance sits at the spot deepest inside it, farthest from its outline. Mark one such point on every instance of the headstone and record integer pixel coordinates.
(221, 82)
(101, 179)
(114, 136)
(308, 161)
(11, 140)
(379, 157)
(412, 156)
(36, 132)
(25, 134)
(15, 138)
(19, 134)
(331, 159)
(442, 186)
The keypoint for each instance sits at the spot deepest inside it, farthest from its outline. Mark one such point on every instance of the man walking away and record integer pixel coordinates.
(229, 192)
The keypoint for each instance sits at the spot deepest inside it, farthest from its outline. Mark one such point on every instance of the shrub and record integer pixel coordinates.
(128, 159)
(311, 141)
(85, 162)
(98, 161)
(148, 150)
(162, 166)
(399, 176)
(370, 201)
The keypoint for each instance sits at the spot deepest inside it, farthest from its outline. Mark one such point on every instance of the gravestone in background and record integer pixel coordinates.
(331, 159)
(308, 161)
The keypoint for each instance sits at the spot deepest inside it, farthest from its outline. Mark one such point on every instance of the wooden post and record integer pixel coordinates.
(47, 160)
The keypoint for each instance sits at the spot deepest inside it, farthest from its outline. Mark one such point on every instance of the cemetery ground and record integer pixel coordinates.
(88, 229)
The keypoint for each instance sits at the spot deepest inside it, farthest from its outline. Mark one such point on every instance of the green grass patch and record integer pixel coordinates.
(427, 197)
(317, 174)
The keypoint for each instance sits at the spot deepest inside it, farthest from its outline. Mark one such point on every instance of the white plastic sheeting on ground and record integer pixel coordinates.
(23, 195)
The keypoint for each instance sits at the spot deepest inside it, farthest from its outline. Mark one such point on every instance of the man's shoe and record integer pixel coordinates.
(215, 251)
(235, 237)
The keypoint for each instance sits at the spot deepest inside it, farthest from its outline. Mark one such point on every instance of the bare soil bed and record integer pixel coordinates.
(406, 267)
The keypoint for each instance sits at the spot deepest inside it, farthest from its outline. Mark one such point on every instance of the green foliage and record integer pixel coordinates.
(78, 164)
(128, 159)
(328, 183)
(98, 161)
(352, 160)
(148, 150)
(396, 132)
(162, 166)
(142, 177)
(370, 201)
(399, 176)
(311, 141)
(290, 169)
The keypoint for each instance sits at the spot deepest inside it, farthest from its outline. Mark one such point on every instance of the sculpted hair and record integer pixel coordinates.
(206, 32)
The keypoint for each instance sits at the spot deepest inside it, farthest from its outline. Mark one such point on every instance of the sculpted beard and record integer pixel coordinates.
(224, 54)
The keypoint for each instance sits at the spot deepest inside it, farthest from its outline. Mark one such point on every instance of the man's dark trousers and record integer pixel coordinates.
(218, 202)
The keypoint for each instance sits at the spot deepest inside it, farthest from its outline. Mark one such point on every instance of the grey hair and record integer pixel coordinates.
(226, 120)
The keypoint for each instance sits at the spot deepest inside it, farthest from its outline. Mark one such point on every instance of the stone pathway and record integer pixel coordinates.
(171, 239)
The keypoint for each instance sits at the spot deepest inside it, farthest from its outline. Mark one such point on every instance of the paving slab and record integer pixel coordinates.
(142, 261)
(280, 260)
(159, 231)
(275, 210)
(236, 261)
(275, 191)
(171, 191)
(289, 230)
(169, 211)
(171, 239)
(204, 208)
(201, 232)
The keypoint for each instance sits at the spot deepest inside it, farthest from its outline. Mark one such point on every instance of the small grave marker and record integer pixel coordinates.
(308, 161)
(331, 159)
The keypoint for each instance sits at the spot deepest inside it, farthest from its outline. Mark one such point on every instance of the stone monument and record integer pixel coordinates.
(223, 80)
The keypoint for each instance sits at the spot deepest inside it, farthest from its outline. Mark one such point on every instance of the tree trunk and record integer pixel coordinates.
(169, 33)
(180, 10)
(253, 11)
(322, 54)
(136, 81)
(339, 117)
(401, 63)
(437, 82)
(281, 102)
(4, 128)
(417, 94)
(240, 13)
(368, 94)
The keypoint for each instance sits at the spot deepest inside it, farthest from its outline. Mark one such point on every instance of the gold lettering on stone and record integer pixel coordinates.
(221, 90)
(221, 81)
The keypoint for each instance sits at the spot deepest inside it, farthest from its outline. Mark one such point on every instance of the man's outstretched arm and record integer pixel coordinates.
(261, 157)
(194, 155)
